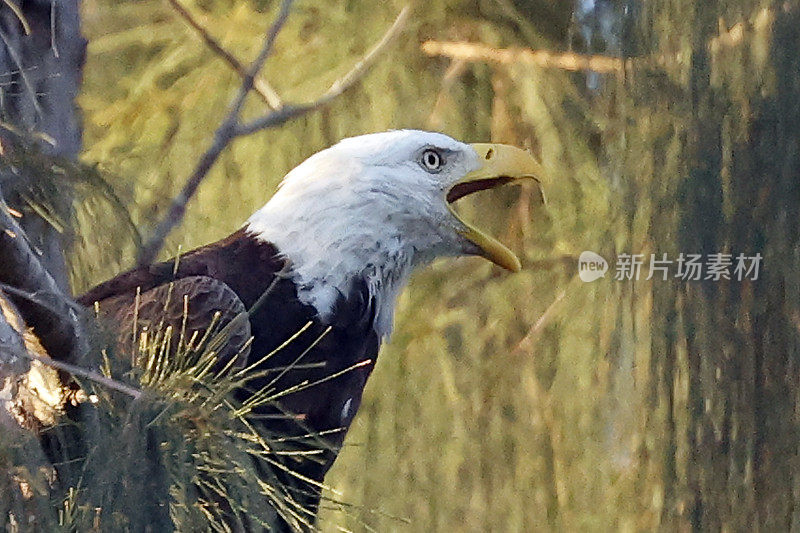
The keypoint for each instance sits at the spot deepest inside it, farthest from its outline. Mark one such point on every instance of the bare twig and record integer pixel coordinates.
(456, 68)
(507, 56)
(223, 136)
(261, 86)
(526, 344)
(251, 73)
(88, 374)
(43, 299)
(231, 128)
(14, 54)
(337, 88)
(53, 45)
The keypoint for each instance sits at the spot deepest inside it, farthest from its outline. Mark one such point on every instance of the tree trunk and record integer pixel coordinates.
(41, 60)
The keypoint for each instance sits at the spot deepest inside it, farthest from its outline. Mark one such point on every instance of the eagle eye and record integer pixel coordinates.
(432, 160)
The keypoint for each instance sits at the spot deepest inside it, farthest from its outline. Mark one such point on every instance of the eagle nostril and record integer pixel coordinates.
(489, 154)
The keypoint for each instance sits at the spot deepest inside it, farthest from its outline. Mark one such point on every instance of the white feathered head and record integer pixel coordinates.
(379, 205)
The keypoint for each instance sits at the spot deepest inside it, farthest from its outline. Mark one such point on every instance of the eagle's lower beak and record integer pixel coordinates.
(501, 164)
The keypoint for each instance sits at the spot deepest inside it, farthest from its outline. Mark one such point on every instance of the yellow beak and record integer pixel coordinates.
(502, 164)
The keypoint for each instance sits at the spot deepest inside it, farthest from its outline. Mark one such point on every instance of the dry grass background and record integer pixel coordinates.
(503, 402)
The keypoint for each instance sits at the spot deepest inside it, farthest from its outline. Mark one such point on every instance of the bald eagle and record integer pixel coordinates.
(322, 264)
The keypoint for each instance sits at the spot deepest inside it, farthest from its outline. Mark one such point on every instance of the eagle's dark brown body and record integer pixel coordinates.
(242, 268)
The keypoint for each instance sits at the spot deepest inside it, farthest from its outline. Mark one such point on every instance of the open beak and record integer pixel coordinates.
(502, 164)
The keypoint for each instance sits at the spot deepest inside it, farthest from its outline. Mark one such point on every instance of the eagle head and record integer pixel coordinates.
(371, 208)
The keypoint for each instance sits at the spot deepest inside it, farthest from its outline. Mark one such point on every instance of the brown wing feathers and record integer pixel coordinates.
(189, 291)
(190, 306)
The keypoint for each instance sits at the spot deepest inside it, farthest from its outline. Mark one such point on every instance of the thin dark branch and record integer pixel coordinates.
(231, 128)
(261, 86)
(223, 136)
(14, 54)
(87, 374)
(44, 299)
(337, 88)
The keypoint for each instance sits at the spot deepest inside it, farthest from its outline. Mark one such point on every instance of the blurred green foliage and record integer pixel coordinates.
(531, 401)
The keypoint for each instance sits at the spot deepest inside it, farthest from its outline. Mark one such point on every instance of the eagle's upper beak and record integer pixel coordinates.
(501, 164)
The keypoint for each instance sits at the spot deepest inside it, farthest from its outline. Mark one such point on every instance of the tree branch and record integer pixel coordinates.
(527, 344)
(26, 27)
(478, 52)
(222, 137)
(731, 37)
(12, 344)
(12, 348)
(337, 88)
(230, 128)
(87, 374)
(29, 86)
(261, 86)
